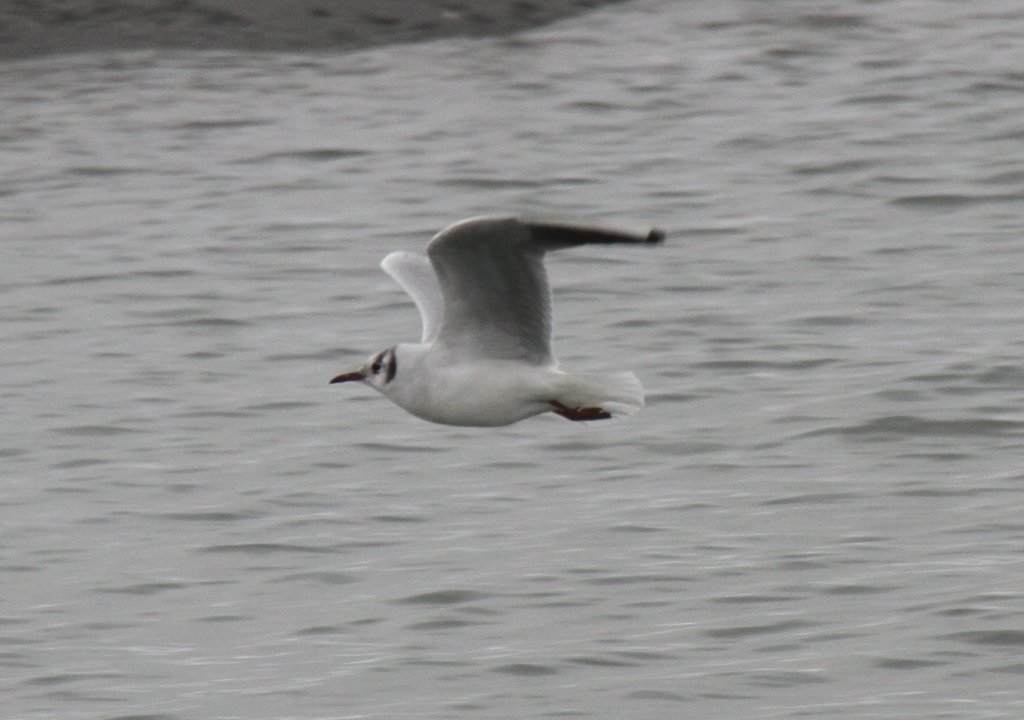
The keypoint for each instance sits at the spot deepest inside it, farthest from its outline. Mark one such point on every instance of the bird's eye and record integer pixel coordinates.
(377, 367)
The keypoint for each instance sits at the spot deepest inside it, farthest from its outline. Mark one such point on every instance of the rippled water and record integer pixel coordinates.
(819, 514)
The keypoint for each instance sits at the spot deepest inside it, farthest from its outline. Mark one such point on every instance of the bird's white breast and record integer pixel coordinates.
(482, 393)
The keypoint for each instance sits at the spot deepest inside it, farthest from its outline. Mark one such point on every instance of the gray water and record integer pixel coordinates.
(819, 514)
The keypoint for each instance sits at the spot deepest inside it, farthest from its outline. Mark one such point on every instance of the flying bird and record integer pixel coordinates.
(484, 358)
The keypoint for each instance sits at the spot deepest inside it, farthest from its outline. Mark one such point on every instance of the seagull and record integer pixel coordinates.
(484, 358)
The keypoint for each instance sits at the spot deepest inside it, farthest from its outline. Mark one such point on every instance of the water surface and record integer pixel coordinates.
(819, 514)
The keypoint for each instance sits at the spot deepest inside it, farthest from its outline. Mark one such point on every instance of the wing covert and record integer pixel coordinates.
(496, 297)
(414, 273)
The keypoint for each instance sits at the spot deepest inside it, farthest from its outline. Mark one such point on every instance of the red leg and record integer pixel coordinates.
(579, 414)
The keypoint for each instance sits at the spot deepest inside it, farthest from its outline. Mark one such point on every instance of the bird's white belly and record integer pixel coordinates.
(481, 394)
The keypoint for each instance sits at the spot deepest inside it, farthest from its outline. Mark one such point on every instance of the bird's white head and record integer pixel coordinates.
(378, 371)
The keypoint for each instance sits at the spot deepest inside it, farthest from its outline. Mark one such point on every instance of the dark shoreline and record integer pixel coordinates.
(48, 27)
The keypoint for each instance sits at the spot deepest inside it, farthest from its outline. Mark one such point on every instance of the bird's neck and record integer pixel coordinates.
(410, 362)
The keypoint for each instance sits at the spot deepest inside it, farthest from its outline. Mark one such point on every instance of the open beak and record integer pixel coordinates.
(348, 377)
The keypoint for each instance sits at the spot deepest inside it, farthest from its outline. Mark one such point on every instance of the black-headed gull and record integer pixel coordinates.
(485, 355)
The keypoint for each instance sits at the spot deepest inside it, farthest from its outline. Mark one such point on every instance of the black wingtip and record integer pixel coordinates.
(554, 236)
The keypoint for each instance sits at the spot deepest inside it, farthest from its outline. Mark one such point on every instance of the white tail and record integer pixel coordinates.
(615, 393)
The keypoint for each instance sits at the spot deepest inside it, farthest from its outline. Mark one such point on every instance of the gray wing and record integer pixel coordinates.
(497, 303)
(414, 273)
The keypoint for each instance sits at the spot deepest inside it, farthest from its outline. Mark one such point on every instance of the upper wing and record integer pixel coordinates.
(416, 276)
(497, 303)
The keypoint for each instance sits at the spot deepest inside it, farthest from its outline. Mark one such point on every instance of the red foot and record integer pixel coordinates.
(579, 414)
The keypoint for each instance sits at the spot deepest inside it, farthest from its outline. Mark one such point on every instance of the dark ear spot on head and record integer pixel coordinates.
(392, 366)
